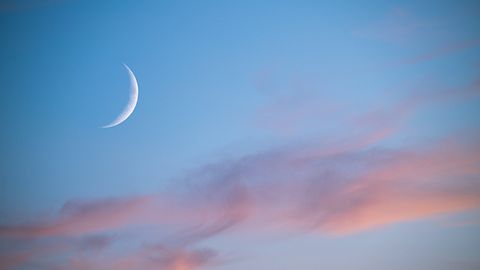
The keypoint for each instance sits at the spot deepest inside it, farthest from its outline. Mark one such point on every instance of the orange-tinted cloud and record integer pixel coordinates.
(78, 218)
(336, 193)
(336, 188)
(147, 258)
(399, 187)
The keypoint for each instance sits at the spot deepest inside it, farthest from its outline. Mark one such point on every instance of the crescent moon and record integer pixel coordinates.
(132, 101)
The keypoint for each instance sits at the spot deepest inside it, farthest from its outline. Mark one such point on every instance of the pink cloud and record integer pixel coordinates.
(147, 258)
(10, 260)
(344, 192)
(336, 193)
(78, 218)
(405, 186)
(340, 187)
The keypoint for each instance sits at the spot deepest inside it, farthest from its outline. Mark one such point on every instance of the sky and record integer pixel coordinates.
(268, 135)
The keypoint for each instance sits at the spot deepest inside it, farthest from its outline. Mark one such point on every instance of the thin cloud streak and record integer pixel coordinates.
(398, 25)
(442, 51)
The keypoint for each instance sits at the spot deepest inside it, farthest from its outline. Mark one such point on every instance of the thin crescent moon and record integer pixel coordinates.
(132, 101)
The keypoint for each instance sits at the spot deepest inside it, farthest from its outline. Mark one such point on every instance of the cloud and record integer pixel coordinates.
(337, 193)
(395, 187)
(10, 260)
(178, 259)
(22, 253)
(398, 25)
(358, 190)
(95, 242)
(78, 232)
(147, 258)
(292, 187)
(441, 51)
(290, 113)
(337, 186)
(78, 218)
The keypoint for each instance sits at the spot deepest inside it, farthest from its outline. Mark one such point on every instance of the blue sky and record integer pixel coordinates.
(295, 101)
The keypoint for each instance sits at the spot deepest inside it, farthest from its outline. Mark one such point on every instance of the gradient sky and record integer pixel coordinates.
(268, 135)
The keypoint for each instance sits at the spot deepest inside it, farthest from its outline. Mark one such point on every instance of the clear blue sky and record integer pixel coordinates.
(266, 125)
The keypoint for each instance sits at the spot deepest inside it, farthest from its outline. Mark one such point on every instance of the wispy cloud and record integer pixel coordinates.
(78, 218)
(441, 51)
(336, 193)
(148, 258)
(398, 25)
(337, 186)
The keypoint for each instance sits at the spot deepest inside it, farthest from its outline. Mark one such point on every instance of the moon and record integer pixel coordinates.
(132, 101)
